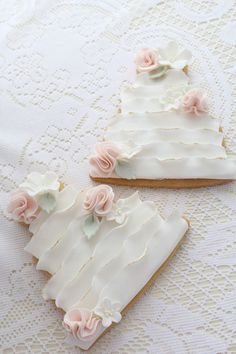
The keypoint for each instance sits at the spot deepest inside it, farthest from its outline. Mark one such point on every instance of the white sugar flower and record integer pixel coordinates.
(173, 56)
(172, 99)
(44, 188)
(118, 212)
(128, 151)
(123, 167)
(108, 310)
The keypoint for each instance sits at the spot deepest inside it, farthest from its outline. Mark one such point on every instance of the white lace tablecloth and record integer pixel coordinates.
(62, 64)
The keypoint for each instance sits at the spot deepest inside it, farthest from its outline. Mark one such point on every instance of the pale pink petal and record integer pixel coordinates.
(146, 60)
(99, 200)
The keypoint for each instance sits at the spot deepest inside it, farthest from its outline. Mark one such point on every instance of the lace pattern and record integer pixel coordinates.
(63, 64)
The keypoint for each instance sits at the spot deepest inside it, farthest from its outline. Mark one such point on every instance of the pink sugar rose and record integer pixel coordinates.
(147, 60)
(104, 162)
(22, 207)
(194, 101)
(99, 200)
(81, 323)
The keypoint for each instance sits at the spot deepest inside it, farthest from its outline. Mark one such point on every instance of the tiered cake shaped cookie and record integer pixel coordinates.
(100, 254)
(163, 135)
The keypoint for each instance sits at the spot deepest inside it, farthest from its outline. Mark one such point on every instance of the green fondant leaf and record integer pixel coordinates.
(91, 225)
(159, 72)
(123, 169)
(47, 202)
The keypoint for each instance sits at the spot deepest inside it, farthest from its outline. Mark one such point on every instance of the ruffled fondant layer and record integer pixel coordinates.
(84, 270)
(157, 139)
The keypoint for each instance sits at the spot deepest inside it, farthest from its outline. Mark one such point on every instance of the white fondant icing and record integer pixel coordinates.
(36, 223)
(80, 253)
(186, 136)
(172, 77)
(156, 251)
(163, 120)
(74, 260)
(54, 256)
(64, 199)
(169, 143)
(146, 87)
(183, 168)
(165, 151)
(166, 101)
(84, 269)
(154, 95)
(133, 248)
(55, 226)
(103, 252)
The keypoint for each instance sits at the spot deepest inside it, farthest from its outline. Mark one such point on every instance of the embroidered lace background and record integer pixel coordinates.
(62, 65)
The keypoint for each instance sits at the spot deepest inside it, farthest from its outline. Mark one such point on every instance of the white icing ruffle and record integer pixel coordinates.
(163, 120)
(157, 139)
(186, 136)
(56, 224)
(171, 78)
(165, 151)
(79, 252)
(103, 253)
(152, 168)
(155, 95)
(85, 272)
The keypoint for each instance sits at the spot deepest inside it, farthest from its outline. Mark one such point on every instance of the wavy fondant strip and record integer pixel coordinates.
(132, 249)
(82, 268)
(163, 120)
(164, 130)
(152, 92)
(103, 253)
(65, 198)
(166, 151)
(157, 250)
(152, 168)
(172, 77)
(186, 136)
(74, 260)
(52, 259)
(54, 228)
(81, 252)
(151, 105)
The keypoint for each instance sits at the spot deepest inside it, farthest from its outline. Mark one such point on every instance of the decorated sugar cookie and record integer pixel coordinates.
(100, 252)
(163, 135)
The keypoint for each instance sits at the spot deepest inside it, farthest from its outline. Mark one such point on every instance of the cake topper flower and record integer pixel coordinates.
(109, 312)
(156, 62)
(22, 207)
(195, 102)
(43, 188)
(146, 60)
(81, 323)
(118, 212)
(110, 159)
(99, 200)
(97, 204)
(104, 162)
(173, 56)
